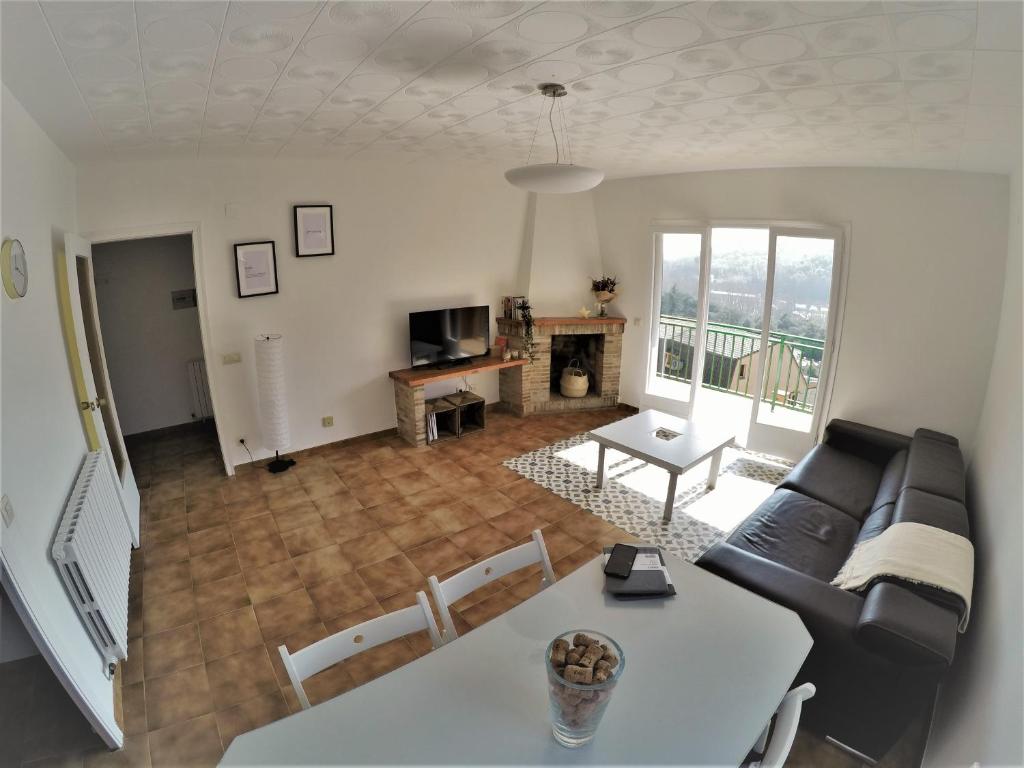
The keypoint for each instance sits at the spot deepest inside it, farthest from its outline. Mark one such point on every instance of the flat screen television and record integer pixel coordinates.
(449, 335)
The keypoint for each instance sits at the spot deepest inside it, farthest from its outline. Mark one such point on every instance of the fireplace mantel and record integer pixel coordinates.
(540, 322)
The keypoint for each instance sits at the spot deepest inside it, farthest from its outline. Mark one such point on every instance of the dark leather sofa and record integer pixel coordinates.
(878, 654)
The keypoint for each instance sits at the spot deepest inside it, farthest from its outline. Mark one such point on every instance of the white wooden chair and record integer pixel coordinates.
(362, 637)
(461, 584)
(787, 718)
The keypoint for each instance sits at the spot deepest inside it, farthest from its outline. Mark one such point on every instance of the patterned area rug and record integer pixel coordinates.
(634, 494)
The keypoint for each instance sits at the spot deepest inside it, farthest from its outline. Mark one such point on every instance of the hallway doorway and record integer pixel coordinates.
(146, 303)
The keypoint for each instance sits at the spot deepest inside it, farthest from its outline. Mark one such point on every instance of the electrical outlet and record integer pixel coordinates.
(230, 358)
(327, 421)
(7, 510)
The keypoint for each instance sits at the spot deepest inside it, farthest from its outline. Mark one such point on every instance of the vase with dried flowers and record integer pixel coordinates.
(604, 291)
(526, 315)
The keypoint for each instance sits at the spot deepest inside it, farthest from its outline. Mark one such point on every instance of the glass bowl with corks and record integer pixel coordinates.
(584, 667)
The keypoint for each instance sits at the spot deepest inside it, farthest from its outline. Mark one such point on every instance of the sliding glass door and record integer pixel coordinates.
(742, 326)
(679, 307)
(797, 339)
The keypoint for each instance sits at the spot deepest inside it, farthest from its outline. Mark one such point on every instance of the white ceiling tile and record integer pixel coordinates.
(177, 33)
(733, 17)
(936, 65)
(798, 74)
(927, 31)
(770, 47)
(667, 32)
(553, 27)
(855, 36)
(997, 78)
(864, 69)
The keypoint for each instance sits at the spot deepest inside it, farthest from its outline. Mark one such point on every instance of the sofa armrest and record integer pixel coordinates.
(827, 611)
(869, 443)
(905, 627)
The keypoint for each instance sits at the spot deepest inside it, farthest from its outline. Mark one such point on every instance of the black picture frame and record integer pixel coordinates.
(303, 250)
(244, 292)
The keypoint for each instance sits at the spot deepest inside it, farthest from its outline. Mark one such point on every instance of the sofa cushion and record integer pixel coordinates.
(915, 506)
(838, 479)
(868, 443)
(892, 481)
(875, 523)
(799, 532)
(936, 466)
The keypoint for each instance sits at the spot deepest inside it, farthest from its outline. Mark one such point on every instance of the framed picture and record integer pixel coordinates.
(256, 268)
(314, 230)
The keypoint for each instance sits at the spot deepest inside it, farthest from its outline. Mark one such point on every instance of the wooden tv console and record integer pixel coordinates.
(410, 402)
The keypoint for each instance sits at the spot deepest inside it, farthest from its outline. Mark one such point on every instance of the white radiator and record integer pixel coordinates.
(92, 550)
(201, 406)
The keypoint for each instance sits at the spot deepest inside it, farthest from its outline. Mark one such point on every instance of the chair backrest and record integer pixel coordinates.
(461, 584)
(787, 718)
(362, 637)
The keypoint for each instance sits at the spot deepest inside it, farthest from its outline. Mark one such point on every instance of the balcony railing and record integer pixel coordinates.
(793, 362)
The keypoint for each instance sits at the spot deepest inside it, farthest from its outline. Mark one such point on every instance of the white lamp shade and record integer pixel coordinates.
(554, 177)
(270, 392)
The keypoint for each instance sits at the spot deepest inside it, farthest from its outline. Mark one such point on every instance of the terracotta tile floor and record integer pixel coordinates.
(230, 568)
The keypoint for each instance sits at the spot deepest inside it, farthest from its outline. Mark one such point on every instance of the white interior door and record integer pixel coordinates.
(89, 370)
(799, 329)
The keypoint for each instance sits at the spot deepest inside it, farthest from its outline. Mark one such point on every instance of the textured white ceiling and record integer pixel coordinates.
(654, 87)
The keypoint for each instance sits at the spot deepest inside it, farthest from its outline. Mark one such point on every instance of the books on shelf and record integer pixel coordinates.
(649, 577)
(510, 306)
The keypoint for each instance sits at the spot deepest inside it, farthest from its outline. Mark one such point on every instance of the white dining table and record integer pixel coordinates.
(705, 670)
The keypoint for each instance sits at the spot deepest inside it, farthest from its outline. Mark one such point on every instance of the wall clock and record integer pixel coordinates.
(14, 267)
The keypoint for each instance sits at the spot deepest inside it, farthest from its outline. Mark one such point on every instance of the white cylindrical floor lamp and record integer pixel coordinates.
(273, 403)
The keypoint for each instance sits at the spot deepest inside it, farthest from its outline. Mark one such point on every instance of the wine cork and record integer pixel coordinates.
(584, 640)
(611, 658)
(577, 674)
(590, 658)
(602, 665)
(558, 650)
(601, 675)
(573, 658)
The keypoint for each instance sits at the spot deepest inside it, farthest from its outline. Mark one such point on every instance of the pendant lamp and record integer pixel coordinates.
(558, 177)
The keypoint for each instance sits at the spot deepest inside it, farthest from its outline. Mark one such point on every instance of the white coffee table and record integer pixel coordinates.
(638, 436)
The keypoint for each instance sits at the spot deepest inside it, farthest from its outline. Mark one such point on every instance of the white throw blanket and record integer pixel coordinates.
(917, 553)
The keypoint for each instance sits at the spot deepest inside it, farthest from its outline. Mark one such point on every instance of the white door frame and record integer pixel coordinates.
(193, 229)
(837, 300)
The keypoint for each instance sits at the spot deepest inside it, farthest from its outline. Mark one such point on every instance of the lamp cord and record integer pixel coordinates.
(536, 129)
(551, 122)
(565, 132)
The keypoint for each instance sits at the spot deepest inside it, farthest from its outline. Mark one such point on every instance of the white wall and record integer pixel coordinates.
(925, 269)
(981, 706)
(565, 255)
(147, 342)
(407, 238)
(41, 430)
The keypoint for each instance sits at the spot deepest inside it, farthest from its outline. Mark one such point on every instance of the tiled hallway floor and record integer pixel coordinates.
(231, 568)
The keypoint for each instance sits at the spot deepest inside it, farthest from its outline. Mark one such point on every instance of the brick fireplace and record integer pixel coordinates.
(596, 341)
